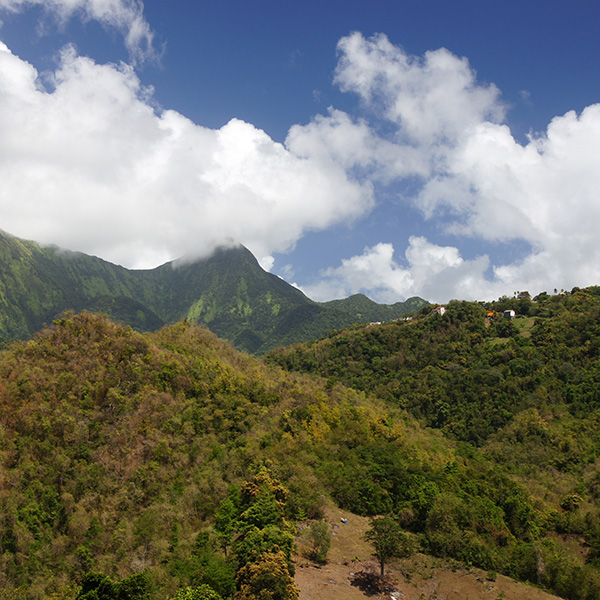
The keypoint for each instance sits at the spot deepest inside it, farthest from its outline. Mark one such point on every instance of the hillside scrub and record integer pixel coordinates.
(467, 373)
(117, 448)
(521, 397)
(124, 453)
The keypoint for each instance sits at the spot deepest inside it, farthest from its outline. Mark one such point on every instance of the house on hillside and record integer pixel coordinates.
(440, 310)
(509, 314)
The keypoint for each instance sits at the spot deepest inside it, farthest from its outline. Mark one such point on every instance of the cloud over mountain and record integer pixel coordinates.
(88, 162)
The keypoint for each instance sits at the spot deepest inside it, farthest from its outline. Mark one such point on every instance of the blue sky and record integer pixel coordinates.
(441, 149)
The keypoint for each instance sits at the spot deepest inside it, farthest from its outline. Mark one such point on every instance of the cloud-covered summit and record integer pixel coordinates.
(90, 162)
(87, 163)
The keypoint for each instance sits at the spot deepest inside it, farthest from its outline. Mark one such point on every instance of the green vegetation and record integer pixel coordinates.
(320, 538)
(228, 292)
(389, 541)
(162, 464)
(465, 373)
(203, 592)
(123, 452)
(520, 399)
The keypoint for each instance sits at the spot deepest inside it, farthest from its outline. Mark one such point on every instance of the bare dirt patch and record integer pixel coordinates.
(419, 578)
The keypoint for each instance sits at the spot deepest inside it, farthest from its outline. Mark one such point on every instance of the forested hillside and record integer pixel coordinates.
(470, 370)
(525, 391)
(118, 448)
(124, 456)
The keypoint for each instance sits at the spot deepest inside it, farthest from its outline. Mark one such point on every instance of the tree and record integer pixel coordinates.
(203, 592)
(262, 526)
(98, 586)
(388, 540)
(255, 542)
(226, 522)
(266, 579)
(320, 536)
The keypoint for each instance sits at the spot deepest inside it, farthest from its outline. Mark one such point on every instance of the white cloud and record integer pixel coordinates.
(340, 139)
(478, 182)
(126, 16)
(432, 99)
(427, 104)
(436, 273)
(545, 192)
(90, 166)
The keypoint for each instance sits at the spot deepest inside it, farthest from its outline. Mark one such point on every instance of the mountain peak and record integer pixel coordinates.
(228, 291)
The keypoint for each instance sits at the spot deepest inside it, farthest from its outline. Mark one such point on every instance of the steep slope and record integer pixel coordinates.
(466, 372)
(228, 291)
(524, 390)
(37, 283)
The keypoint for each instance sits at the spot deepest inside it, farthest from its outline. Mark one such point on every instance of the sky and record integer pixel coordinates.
(447, 150)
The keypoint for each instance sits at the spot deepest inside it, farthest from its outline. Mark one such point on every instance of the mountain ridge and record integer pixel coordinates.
(228, 292)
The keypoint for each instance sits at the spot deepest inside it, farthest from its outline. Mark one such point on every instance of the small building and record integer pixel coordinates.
(440, 310)
(509, 314)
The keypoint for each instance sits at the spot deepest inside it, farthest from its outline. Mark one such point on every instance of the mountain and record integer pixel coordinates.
(125, 457)
(524, 391)
(228, 291)
(364, 310)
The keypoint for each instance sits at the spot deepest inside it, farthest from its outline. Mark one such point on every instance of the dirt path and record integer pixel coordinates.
(419, 578)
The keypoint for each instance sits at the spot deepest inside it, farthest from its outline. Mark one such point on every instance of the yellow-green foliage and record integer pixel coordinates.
(117, 449)
(110, 440)
(267, 579)
(525, 391)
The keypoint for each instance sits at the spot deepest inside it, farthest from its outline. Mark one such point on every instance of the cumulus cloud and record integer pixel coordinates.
(126, 16)
(428, 270)
(476, 181)
(87, 163)
(355, 145)
(433, 99)
(427, 104)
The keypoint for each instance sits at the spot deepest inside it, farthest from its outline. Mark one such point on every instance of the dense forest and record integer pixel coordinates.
(521, 394)
(169, 465)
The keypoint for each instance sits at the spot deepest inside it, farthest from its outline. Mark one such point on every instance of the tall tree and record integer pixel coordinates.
(388, 540)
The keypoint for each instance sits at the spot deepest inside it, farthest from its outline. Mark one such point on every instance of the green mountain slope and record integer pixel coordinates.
(523, 390)
(465, 372)
(121, 452)
(364, 310)
(228, 291)
(117, 448)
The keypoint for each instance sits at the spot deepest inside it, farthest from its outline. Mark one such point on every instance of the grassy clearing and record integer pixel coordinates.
(420, 577)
